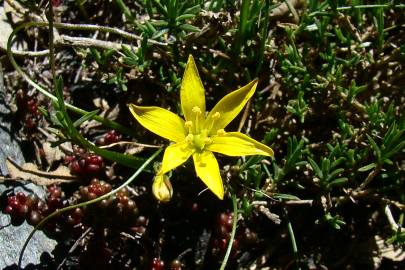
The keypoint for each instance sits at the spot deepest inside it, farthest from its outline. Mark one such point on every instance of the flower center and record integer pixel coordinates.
(197, 137)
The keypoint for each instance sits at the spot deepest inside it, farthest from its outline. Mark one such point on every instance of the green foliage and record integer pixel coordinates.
(329, 99)
(172, 16)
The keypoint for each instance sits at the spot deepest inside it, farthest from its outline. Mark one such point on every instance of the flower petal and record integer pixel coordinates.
(207, 169)
(229, 107)
(174, 156)
(238, 144)
(160, 121)
(192, 92)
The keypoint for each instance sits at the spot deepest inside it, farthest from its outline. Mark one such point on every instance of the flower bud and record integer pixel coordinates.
(162, 188)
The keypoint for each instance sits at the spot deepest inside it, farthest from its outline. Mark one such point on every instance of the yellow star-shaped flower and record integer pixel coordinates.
(199, 135)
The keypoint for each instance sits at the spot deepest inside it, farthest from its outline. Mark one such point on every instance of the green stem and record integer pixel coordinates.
(293, 242)
(51, 43)
(371, 6)
(233, 232)
(104, 121)
(105, 196)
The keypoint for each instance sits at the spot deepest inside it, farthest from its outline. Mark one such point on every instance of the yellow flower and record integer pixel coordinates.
(199, 134)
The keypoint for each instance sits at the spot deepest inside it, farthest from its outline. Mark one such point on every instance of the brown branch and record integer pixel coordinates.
(370, 177)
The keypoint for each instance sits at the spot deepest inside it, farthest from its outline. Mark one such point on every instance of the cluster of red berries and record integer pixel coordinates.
(94, 190)
(159, 264)
(84, 164)
(243, 238)
(28, 106)
(22, 207)
(220, 243)
(118, 209)
(110, 137)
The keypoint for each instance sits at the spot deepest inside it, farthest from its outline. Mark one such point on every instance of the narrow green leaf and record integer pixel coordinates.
(125, 10)
(334, 173)
(184, 17)
(85, 117)
(283, 196)
(192, 10)
(395, 150)
(315, 167)
(367, 167)
(375, 147)
(338, 181)
(160, 8)
(337, 162)
(325, 166)
(160, 33)
(189, 28)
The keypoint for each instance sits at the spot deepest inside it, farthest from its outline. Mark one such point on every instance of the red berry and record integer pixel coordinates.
(75, 167)
(123, 199)
(56, 3)
(141, 221)
(77, 213)
(175, 265)
(21, 197)
(157, 264)
(14, 204)
(42, 207)
(29, 122)
(223, 231)
(93, 169)
(130, 205)
(11, 199)
(68, 159)
(91, 196)
(106, 187)
(9, 210)
(22, 211)
(34, 218)
(54, 203)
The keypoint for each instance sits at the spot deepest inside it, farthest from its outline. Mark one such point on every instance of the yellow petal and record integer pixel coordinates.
(238, 144)
(175, 155)
(207, 169)
(192, 92)
(229, 107)
(160, 121)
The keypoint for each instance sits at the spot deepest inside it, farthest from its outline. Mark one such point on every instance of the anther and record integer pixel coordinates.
(189, 138)
(221, 132)
(188, 124)
(216, 116)
(207, 140)
(196, 110)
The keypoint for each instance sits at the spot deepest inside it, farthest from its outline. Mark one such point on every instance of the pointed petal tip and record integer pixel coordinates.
(221, 196)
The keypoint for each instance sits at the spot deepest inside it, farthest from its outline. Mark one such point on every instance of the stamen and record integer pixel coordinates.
(196, 110)
(221, 132)
(216, 116)
(189, 138)
(189, 126)
(207, 140)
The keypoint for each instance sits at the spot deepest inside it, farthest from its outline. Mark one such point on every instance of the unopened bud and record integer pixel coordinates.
(162, 188)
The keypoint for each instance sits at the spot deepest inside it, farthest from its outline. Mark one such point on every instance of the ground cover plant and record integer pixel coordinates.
(301, 101)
